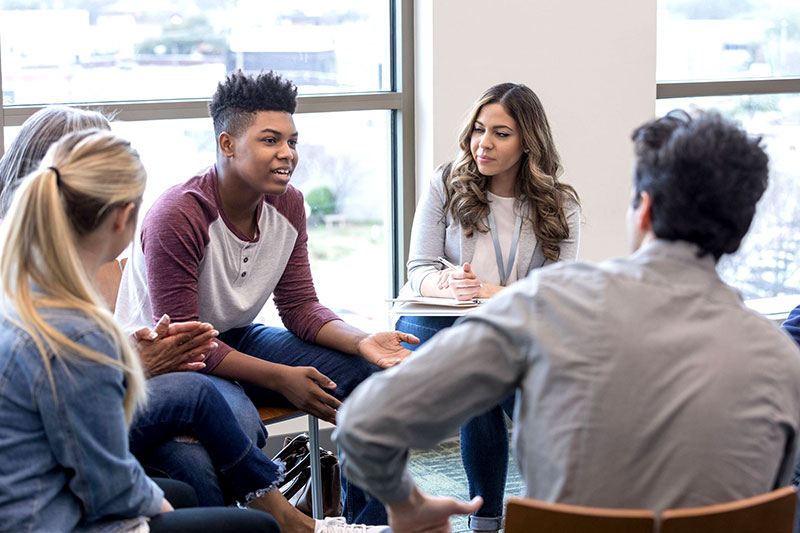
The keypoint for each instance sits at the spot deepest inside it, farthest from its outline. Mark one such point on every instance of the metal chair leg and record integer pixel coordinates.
(316, 469)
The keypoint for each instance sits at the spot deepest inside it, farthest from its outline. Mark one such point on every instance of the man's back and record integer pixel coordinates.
(651, 386)
(645, 383)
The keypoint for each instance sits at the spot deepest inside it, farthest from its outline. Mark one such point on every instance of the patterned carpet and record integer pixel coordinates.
(439, 472)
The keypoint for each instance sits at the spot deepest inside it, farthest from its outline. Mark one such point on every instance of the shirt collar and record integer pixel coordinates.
(681, 251)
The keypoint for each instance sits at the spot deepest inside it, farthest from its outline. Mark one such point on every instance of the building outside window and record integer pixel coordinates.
(742, 57)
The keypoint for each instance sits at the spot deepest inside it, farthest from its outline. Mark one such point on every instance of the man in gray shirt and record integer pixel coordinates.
(642, 382)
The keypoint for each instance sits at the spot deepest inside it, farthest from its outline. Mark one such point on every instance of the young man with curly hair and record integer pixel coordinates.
(217, 246)
(642, 382)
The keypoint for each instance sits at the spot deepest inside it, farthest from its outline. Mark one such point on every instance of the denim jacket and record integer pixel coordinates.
(64, 458)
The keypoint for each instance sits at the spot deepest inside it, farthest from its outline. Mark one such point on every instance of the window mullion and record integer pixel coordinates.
(727, 87)
(182, 109)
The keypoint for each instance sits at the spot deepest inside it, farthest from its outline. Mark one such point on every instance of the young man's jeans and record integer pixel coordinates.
(278, 345)
(484, 439)
(187, 403)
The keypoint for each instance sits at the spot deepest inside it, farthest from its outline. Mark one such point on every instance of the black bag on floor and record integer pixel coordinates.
(296, 486)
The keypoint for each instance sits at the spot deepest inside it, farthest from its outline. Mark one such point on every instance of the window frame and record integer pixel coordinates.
(738, 87)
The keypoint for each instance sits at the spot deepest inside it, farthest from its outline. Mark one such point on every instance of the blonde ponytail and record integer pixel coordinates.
(82, 178)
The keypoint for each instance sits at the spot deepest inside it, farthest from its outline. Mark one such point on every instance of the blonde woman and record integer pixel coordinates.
(496, 213)
(69, 380)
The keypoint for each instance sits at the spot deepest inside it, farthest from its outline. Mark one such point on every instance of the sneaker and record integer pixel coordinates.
(339, 525)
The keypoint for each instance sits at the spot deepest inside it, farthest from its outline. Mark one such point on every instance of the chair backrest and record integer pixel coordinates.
(524, 515)
(772, 512)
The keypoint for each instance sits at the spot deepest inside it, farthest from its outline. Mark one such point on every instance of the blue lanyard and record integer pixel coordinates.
(498, 252)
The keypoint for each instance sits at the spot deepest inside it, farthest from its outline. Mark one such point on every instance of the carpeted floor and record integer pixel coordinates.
(439, 472)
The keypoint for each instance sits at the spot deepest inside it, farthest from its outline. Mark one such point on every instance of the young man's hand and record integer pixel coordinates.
(302, 386)
(428, 514)
(384, 349)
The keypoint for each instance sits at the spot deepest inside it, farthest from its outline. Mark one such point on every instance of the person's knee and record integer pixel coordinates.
(178, 392)
(190, 463)
(358, 370)
(180, 384)
(243, 409)
(214, 519)
(179, 493)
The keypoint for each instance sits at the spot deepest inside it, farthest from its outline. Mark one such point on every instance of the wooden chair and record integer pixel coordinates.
(271, 415)
(524, 515)
(107, 281)
(772, 512)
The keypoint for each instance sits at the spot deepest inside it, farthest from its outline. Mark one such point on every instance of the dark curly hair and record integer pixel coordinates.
(704, 175)
(241, 96)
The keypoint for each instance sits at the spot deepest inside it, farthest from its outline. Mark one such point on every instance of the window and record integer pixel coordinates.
(727, 39)
(742, 57)
(155, 64)
(180, 49)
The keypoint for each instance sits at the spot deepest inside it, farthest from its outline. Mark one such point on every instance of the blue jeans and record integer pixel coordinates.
(484, 439)
(278, 345)
(190, 404)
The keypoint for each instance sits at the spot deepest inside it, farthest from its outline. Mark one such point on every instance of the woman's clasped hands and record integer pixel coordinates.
(462, 282)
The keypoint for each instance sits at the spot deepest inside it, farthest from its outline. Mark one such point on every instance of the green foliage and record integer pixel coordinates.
(193, 34)
(344, 242)
(752, 104)
(322, 201)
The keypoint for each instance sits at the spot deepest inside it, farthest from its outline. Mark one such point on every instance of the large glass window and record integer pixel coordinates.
(86, 51)
(742, 58)
(728, 39)
(155, 64)
(768, 262)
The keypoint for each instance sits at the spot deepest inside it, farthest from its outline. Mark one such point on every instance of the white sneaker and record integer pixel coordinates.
(339, 525)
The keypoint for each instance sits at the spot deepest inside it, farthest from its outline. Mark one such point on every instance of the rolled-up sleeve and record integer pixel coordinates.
(461, 372)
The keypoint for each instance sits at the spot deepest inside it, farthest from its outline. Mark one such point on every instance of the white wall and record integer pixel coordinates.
(592, 65)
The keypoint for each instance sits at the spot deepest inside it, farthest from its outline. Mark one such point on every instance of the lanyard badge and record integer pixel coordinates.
(498, 253)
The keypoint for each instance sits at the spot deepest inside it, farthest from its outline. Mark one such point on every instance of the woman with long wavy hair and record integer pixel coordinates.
(496, 212)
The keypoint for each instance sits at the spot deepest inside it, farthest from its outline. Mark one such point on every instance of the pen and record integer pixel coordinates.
(447, 263)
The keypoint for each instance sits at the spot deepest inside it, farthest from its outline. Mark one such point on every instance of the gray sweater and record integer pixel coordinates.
(435, 233)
